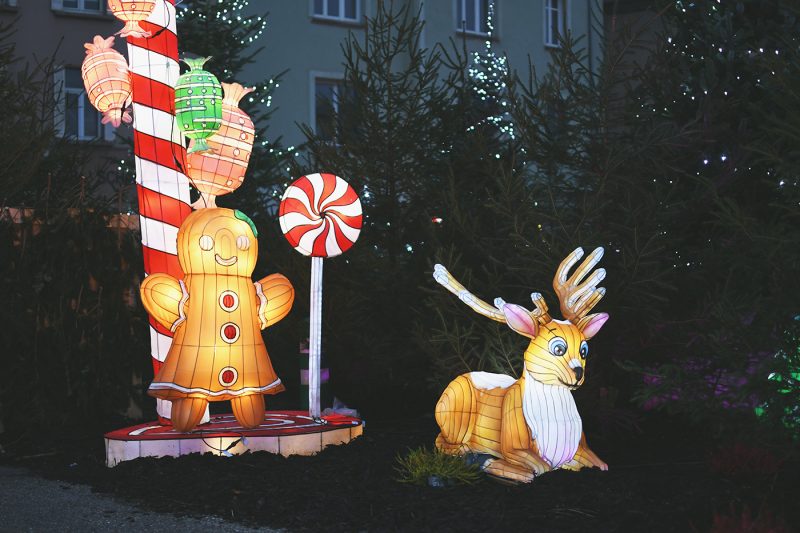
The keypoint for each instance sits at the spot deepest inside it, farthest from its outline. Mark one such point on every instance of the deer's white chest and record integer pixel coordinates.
(553, 419)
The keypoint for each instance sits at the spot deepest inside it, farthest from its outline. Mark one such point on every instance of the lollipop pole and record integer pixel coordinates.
(315, 338)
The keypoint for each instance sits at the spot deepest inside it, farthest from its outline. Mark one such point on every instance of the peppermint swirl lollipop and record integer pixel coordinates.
(320, 215)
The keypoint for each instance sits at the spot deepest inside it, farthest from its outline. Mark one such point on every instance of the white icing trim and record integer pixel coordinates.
(181, 305)
(262, 307)
(241, 392)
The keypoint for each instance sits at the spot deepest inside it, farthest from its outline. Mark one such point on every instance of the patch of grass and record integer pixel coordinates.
(421, 463)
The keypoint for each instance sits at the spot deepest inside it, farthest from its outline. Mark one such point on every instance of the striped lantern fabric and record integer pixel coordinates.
(162, 187)
(218, 352)
(320, 215)
(531, 425)
(132, 12)
(221, 170)
(198, 104)
(105, 76)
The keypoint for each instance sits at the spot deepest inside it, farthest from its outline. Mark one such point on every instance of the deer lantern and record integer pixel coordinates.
(531, 425)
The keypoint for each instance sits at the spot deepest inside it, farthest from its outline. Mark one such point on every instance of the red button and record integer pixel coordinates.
(230, 331)
(227, 376)
(227, 301)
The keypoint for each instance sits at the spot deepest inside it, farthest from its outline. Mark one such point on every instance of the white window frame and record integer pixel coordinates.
(337, 18)
(480, 18)
(58, 5)
(316, 76)
(562, 11)
(104, 131)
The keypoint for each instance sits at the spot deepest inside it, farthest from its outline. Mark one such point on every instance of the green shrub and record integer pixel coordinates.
(420, 463)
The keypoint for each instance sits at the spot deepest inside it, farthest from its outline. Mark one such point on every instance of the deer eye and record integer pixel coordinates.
(584, 351)
(557, 346)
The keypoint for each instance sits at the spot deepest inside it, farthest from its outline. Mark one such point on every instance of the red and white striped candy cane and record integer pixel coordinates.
(160, 156)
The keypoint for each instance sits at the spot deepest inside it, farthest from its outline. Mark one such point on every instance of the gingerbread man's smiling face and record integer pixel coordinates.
(217, 241)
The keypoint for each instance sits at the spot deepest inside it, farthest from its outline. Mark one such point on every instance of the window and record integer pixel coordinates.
(75, 116)
(472, 16)
(555, 21)
(341, 10)
(328, 95)
(80, 6)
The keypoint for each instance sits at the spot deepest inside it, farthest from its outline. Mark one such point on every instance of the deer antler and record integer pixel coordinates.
(446, 280)
(578, 297)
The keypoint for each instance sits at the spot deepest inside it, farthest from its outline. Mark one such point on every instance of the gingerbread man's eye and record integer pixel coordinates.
(206, 242)
(243, 242)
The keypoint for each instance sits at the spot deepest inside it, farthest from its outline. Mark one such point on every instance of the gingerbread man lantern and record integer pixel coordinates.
(216, 313)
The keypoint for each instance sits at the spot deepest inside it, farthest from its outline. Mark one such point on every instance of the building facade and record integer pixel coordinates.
(57, 30)
(304, 38)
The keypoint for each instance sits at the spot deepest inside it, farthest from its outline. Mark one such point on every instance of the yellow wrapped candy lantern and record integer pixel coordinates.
(216, 313)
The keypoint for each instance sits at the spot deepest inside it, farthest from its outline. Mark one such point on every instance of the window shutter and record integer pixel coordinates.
(59, 101)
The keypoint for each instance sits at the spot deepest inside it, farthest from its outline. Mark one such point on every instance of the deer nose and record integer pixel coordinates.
(578, 372)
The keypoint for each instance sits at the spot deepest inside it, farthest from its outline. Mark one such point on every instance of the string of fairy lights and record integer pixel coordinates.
(490, 71)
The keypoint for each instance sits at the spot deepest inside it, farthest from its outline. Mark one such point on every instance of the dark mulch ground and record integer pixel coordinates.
(663, 479)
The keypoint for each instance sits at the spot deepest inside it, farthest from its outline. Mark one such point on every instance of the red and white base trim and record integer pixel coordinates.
(282, 432)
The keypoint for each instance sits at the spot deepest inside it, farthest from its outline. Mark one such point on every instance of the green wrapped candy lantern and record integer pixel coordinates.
(198, 104)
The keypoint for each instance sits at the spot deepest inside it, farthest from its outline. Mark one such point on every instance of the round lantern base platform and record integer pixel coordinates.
(283, 432)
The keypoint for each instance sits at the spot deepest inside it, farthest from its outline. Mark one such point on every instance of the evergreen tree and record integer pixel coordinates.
(73, 339)
(34, 158)
(734, 233)
(397, 138)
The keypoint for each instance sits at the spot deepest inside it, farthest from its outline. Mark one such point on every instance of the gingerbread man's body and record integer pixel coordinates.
(216, 313)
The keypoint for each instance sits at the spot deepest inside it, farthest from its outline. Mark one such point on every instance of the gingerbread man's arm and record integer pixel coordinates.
(276, 296)
(165, 298)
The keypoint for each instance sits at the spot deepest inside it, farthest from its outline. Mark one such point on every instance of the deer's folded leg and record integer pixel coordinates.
(504, 469)
(585, 458)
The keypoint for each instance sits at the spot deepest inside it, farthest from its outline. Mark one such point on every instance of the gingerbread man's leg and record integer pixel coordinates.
(249, 410)
(187, 413)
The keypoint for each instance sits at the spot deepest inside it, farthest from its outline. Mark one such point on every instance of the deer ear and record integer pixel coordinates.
(590, 325)
(520, 320)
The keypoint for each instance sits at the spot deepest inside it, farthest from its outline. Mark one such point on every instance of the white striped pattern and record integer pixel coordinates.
(152, 65)
(156, 123)
(553, 419)
(159, 235)
(159, 344)
(162, 180)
